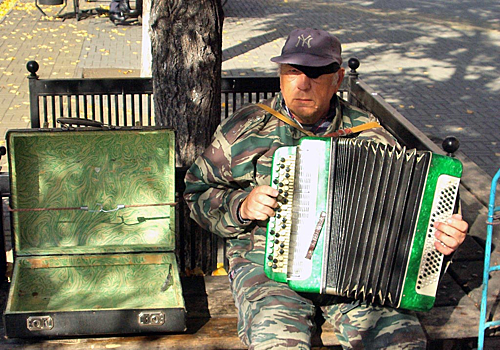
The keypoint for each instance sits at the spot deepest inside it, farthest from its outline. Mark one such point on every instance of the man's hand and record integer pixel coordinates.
(260, 203)
(450, 234)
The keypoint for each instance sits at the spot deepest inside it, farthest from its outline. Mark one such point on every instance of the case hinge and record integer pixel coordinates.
(39, 323)
(152, 318)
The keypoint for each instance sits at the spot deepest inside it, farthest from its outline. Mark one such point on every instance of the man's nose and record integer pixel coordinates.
(303, 82)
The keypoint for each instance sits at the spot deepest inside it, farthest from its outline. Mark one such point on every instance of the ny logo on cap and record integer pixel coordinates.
(304, 41)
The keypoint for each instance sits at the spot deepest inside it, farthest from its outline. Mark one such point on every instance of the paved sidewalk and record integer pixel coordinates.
(435, 62)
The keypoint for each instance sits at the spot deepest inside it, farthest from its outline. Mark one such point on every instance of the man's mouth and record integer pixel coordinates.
(303, 100)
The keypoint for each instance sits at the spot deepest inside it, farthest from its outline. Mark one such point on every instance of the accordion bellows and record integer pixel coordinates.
(355, 219)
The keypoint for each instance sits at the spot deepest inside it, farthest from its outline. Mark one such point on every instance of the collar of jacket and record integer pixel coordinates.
(334, 126)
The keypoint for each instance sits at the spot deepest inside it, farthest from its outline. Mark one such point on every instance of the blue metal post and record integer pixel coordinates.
(483, 325)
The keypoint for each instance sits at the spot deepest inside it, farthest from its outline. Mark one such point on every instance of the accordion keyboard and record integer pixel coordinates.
(280, 224)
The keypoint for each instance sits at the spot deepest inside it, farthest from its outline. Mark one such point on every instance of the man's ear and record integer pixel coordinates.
(340, 77)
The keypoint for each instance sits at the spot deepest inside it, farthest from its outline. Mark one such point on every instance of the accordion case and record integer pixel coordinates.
(355, 219)
(93, 223)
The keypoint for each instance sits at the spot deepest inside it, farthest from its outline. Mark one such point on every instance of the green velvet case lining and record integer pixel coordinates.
(96, 282)
(99, 171)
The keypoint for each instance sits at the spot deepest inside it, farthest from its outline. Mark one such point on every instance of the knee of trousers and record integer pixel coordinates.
(270, 313)
(275, 321)
(375, 326)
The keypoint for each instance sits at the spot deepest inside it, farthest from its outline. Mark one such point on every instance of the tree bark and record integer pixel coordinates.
(186, 45)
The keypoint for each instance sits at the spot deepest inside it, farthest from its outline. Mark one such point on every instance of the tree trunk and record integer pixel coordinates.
(186, 43)
(186, 46)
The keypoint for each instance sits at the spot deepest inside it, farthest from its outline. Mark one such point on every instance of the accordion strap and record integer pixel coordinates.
(283, 118)
(338, 133)
(354, 129)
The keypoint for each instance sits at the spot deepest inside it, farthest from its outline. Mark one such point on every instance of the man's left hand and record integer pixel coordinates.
(450, 234)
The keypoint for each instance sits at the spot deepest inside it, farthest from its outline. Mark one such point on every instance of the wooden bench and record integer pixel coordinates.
(210, 309)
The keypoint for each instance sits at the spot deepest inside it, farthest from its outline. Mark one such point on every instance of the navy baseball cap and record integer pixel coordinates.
(310, 47)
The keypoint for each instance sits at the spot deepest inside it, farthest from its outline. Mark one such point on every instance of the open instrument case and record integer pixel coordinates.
(93, 224)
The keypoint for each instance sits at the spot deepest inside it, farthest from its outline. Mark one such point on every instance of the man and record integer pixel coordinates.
(120, 11)
(228, 192)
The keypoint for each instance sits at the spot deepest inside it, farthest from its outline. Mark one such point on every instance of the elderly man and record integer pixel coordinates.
(228, 191)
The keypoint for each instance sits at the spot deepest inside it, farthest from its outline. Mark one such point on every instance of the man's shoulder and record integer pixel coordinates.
(354, 116)
(243, 120)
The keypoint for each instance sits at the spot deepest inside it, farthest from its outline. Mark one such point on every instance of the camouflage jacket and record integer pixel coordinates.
(240, 158)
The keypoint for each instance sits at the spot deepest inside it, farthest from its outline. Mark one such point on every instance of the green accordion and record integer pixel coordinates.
(356, 219)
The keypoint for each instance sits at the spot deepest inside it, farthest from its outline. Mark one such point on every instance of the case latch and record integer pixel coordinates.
(152, 318)
(39, 323)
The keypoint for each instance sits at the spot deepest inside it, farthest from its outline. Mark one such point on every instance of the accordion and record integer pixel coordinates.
(355, 219)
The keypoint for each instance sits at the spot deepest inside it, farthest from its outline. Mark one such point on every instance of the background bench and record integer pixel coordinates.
(123, 101)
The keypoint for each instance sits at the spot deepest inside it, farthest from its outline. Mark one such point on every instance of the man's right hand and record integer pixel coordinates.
(259, 204)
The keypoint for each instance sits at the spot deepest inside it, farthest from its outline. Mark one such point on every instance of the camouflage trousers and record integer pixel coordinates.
(272, 316)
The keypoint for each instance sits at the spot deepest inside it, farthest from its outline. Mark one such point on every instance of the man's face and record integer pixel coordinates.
(307, 98)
